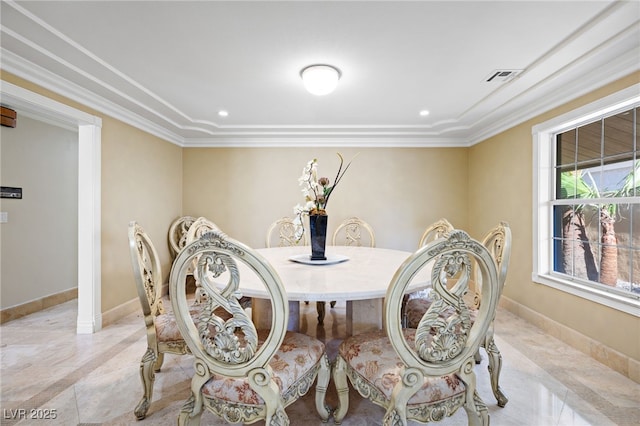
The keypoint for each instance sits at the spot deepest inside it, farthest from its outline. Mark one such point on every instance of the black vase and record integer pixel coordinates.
(318, 228)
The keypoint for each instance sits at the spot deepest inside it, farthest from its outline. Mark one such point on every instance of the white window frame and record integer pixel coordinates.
(543, 195)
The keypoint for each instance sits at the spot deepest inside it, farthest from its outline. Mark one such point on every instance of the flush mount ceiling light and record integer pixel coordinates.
(320, 79)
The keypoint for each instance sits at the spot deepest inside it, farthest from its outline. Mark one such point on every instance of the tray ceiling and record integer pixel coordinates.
(168, 67)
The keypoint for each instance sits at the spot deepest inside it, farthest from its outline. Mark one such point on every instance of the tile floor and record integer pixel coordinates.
(93, 379)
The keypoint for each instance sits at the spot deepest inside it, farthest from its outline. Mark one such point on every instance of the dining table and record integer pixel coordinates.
(356, 275)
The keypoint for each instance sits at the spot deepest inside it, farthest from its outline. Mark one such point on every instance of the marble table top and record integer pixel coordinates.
(365, 275)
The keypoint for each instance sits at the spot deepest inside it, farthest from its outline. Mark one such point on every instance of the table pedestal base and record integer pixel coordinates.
(261, 314)
(362, 315)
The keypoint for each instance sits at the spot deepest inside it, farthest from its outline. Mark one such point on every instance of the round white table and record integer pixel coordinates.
(361, 281)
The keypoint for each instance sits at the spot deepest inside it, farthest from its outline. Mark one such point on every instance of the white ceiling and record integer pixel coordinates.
(168, 67)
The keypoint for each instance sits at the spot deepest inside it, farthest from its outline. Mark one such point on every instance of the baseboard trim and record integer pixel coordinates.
(121, 311)
(613, 359)
(19, 311)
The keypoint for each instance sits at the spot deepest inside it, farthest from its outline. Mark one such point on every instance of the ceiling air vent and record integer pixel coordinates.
(502, 76)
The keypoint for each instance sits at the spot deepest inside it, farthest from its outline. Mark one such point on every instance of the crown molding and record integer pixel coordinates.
(623, 66)
(298, 137)
(42, 77)
(334, 141)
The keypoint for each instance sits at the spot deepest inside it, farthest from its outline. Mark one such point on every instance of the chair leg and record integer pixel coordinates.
(320, 308)
(147, 366)
(477, 411)
(190, 414)
(495, 366)
(324, 374)
(477, 357)
(342, 387)
(159, 361)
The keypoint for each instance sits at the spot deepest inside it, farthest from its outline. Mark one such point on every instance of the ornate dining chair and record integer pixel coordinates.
(178, 232)
(498, 242)
(420, 299)
(162, 332)
(354, 232)
(198, 227)
(351, 232)
(284, 233)
(242, 374)
(437, 229)
(425, 374)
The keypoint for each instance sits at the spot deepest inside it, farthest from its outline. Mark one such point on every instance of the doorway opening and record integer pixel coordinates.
(89, 183)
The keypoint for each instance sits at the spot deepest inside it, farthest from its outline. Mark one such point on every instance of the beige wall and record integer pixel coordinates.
(141, 180)
(500, 188)
(40, 240)
(398, 191)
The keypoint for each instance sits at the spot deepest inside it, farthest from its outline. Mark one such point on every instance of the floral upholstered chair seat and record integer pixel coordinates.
(373, 357)
(291, 365)
(416, 307)
(167, 328)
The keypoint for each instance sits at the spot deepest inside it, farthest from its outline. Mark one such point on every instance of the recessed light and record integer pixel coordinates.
(223, 113)
(424, 113)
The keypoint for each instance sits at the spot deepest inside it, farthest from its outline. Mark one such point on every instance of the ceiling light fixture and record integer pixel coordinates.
(320, 79)
(424, 113)
(223, 113)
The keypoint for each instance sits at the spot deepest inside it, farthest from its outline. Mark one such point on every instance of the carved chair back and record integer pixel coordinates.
(231, 348)
(498, 242)
(198, 228)
(284, 233)
(354, 232)
(178, 233)
(147, 271)
(434, 231)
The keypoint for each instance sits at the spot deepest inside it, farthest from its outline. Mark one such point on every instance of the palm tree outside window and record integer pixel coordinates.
(596, 208)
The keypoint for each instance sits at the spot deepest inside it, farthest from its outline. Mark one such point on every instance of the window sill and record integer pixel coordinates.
(610, 299)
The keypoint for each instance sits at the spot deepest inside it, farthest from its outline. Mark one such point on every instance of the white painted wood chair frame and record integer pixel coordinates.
(446, 339)
(198, 228)
(148, 277)
(498, 242)
(178, 233)
(436, 230)
(286, 231)
(214, 342)
(350, 231)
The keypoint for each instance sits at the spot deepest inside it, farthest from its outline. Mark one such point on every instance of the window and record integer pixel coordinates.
(587, 201)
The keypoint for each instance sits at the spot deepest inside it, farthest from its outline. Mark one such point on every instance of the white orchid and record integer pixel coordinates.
(316, 192)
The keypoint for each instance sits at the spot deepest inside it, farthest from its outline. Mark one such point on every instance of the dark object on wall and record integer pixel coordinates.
(9, 117)
(10, 192)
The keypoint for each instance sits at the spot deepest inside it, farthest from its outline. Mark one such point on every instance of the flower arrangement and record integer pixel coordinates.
(316, 192)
